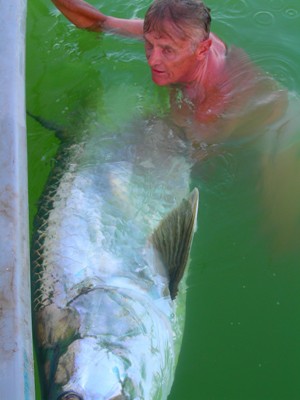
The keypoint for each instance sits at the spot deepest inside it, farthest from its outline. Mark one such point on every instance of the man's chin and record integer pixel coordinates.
(160, 79)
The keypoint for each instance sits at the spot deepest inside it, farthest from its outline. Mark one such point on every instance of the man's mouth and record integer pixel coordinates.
(157, 71)
(160, 77)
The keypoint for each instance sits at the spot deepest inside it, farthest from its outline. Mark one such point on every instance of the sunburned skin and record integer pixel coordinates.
(236, 100)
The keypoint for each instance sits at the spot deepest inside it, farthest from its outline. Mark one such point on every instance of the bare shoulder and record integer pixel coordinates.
(253, 91)
(243, 100)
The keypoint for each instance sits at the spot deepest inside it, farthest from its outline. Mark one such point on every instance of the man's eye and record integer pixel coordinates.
(148, 45)
(168, 51)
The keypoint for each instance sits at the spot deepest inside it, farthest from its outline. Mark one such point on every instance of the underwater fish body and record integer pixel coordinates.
(113, 235)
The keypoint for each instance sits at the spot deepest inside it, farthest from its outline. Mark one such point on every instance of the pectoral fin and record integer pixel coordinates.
(173, 239)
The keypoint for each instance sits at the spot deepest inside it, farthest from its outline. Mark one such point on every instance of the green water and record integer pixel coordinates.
(242, 331)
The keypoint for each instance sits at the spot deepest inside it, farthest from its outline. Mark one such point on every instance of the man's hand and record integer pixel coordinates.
(81, 14)
(85, 16)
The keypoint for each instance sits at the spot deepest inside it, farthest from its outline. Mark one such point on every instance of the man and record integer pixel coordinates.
(210, 86)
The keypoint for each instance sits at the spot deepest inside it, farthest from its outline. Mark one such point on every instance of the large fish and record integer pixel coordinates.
(113, 235)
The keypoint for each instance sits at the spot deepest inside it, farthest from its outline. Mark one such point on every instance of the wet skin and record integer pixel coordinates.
(177, 59)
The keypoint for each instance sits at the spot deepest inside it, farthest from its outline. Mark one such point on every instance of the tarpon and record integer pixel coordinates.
(112, 241)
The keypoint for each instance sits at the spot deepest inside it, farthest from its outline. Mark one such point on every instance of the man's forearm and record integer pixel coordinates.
(85, 16)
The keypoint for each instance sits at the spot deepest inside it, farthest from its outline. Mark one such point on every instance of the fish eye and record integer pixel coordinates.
(70, 396)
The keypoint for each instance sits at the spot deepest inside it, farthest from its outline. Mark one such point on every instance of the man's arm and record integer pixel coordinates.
(85, 16)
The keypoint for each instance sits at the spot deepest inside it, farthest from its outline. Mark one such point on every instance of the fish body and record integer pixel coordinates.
(112, 241)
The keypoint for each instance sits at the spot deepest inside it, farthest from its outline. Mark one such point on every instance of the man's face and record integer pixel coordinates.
(172, 58)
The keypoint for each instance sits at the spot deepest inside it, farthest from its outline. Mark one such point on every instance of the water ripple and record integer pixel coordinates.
(232, 9)
(240, 8)
(282, 67)
(291, 13)
(264, 18)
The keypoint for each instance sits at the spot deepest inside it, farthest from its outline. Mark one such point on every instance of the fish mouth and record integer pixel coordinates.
(75, 396)
(70, 396)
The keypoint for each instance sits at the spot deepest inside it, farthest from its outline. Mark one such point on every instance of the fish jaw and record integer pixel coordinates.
(89, 371)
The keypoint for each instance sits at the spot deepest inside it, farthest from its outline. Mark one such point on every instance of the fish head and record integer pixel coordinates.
(88, 370)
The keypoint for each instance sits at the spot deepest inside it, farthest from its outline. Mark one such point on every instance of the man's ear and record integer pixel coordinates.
(203, 48)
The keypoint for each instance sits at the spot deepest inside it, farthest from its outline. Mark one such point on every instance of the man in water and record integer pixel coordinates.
(213, 90)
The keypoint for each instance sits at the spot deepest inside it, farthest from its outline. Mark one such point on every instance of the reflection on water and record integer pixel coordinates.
(242, 330)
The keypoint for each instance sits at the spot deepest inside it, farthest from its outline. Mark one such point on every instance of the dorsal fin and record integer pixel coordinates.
(173, 239)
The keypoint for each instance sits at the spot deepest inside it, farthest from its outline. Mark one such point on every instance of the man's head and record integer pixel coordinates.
(191, 18)
(177, 41)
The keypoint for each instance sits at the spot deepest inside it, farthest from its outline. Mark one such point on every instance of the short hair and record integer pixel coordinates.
(190, 17)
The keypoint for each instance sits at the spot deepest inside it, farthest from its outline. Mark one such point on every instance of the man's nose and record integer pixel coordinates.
(154, 57)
